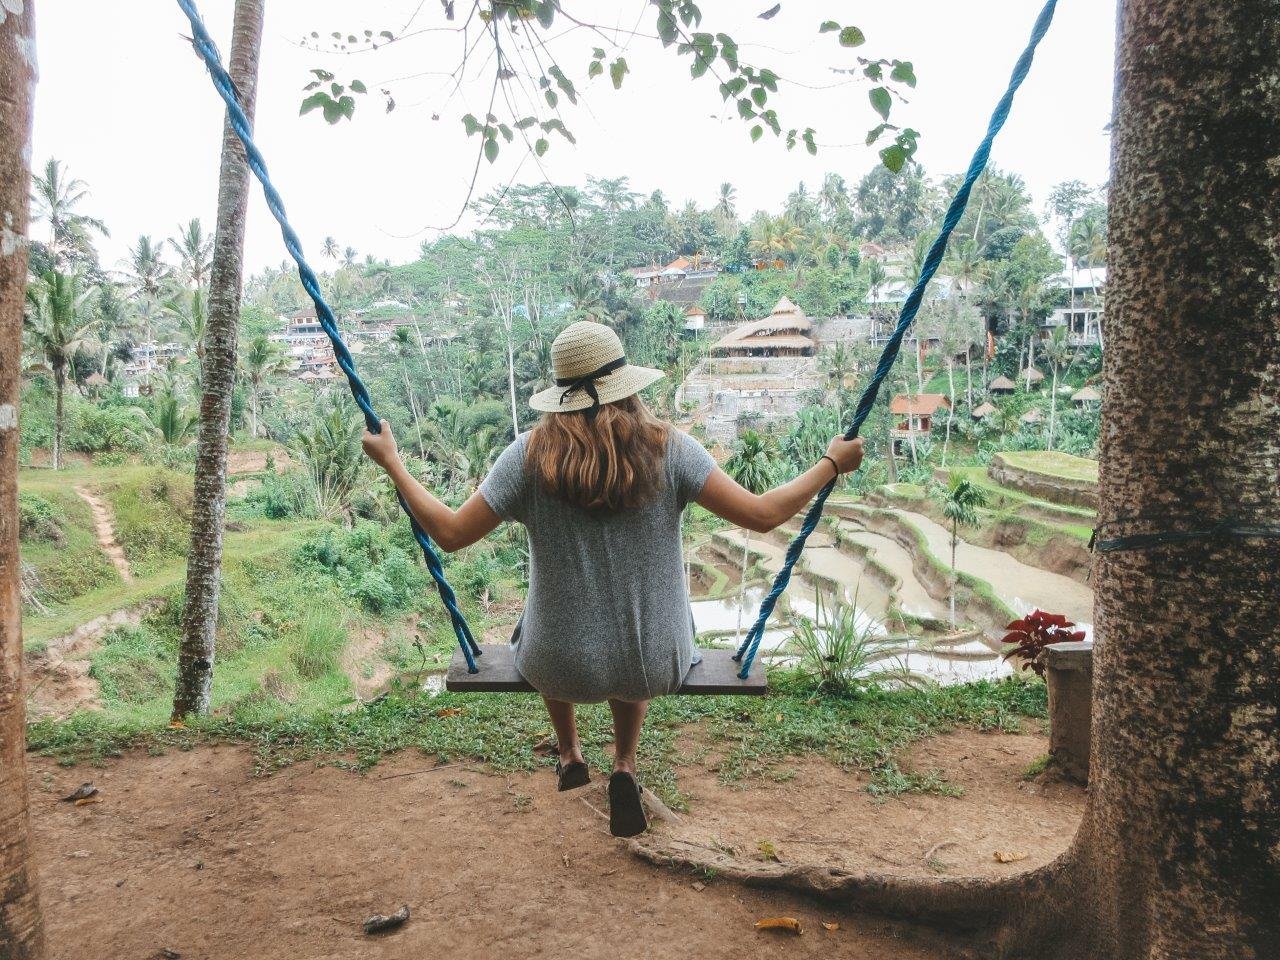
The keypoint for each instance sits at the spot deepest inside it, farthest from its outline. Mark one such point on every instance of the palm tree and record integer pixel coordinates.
(775, 237)
(194, 249)
(877, 277)
(404, 343)
(752, 466)
(170, 420)
(330, 248)
(57, 327)
(1057, 350)
(586, 297)
(833, 195)
(56, 195)
(262, 359)
(191, 311)
(146, 276)
(725, 202)
(959, 500)
(193, 687)
(349, 256)
(331, 453)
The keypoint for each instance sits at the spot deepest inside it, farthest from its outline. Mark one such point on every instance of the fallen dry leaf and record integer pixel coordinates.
(177, 725)
(698, 886)
(789, 924)
(448, 711)
(379, 923)
(93, 799)
(1009, 856)
(82, 792)
(830, 925)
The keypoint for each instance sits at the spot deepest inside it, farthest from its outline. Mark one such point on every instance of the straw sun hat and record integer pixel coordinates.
(590, 369)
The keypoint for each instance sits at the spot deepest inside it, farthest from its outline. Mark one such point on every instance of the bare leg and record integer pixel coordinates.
(566, 726)
(628, 718)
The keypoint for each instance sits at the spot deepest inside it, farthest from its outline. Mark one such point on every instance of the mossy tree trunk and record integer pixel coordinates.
(218, 374)
(1178, 853)
(21, 931)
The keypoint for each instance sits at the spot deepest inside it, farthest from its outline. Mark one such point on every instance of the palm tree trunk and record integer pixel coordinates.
(253, 410)
(59, 396)
(1053, 404)
(742, 581)
(954, 536)
(968, 374)
(21, 927)
(511, 385)
(204, 559)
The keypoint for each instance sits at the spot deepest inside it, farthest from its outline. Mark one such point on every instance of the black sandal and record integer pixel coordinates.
(572, 775)
(626, 812)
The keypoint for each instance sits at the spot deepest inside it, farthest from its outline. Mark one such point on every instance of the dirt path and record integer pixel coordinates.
(104, 528)
(491, 865)
(1021, 586)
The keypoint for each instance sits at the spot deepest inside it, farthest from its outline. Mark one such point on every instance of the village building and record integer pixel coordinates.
(1082, 314)
(983, 410)
(695, 321)
(1032, 417)
(1031, 378)
(682, 281)
(1086, 397)
(786, 332)
(916, 412)
(1001, 387)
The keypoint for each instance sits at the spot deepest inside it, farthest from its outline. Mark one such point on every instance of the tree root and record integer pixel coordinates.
(959, 903)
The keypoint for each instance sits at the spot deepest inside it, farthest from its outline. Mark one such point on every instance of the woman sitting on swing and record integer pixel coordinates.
(600, 484)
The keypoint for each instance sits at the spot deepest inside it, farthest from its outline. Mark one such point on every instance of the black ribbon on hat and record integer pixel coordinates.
(587, 382)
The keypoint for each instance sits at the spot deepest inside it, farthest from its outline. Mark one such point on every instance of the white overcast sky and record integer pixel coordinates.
(124, 103)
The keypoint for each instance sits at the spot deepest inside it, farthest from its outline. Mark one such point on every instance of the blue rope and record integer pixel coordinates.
(747, 651)
(240, 124)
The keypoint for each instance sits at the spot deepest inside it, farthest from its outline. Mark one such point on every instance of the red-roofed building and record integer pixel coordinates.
(915, 413)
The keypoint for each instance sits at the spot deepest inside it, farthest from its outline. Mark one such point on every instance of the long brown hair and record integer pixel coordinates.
(612, 460)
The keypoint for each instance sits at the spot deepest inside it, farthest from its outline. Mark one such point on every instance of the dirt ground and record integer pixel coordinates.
(191, 853)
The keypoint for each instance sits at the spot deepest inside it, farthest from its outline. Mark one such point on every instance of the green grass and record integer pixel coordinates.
(753, 737)
(63, 550)
(1054, 464)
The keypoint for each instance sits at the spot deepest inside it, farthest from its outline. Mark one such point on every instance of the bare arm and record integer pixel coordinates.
(451, 529)
(760, 513)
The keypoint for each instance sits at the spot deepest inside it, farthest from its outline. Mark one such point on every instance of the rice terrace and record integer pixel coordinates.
(531, 478)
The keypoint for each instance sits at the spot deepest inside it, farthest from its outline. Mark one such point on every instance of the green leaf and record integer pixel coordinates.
(873, 71)
(347, 106)
(491, 150)
(594, 69)
(881, 102)
(564, 83)
(524, 123)
(386, 33)
(745, 110)
(336, 89)
(357, 86)
(828, 26)
(759, 95)
(852, 37)
(470, 124)
(617, 70)
(809, 143)
(699, 66)
(903, 72)
(737, 85)
(546, 12)
(312, 85)
(598, 53)
(667, 30)
(506, 132)
(540, 146)
(324, 76)
(552, 99)
(769, 80)
(893, 157)
(756, 132)
(313, 101)
(874, 133)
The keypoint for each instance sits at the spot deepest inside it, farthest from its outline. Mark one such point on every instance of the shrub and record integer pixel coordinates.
(153, 515)
(134, 664)
(368, 565)
(279, 496)
(113, 458)
(38, 520)
(95, 429)
(321, 639)
(1032, 633)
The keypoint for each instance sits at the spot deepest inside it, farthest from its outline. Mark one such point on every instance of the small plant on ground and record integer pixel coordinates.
(1032, 633)
(846, 649)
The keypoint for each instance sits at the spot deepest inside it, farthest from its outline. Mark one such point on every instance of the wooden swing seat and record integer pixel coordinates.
(716, 675)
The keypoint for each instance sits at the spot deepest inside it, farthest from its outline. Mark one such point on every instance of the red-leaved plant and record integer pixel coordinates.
(1034, 632)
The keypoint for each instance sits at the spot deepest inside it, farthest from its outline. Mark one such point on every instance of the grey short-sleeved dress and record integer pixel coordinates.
(607, 615)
